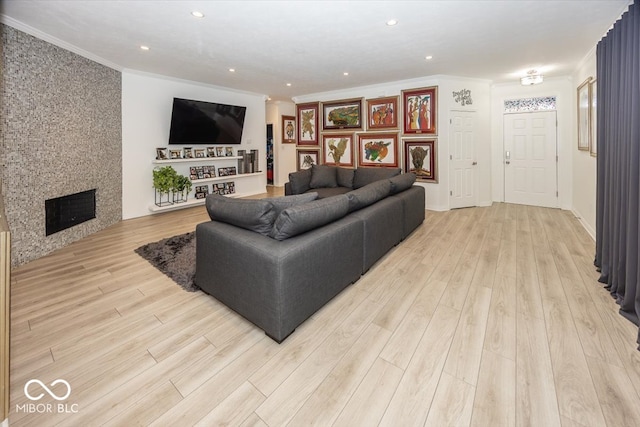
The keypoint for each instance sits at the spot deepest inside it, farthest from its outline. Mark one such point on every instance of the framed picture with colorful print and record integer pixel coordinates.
(288, 130)
(338, 149)
(382, 113)
(419, 109)
(344, 114)
(378, 149)
(420, 158)
(307, 119)
(307, 158)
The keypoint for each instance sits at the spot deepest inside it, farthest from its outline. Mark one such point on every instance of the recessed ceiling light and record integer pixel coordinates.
(392, 22)
(144, 47)
(428, 57)
(197, 14)
(232, 70)
(345, 73)
(288, 84)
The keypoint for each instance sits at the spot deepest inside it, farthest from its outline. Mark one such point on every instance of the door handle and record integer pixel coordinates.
(507, 162)
(474, 163)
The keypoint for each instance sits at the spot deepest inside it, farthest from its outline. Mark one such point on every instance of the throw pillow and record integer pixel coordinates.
(302, 218)
(254, 215)
(323, 176)
(345, 177)
(299, 181)
(402, 182)
(364, 176)
(282, 203)
(368, 195)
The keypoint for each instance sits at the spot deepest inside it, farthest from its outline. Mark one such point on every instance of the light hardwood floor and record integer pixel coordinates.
(483, 316)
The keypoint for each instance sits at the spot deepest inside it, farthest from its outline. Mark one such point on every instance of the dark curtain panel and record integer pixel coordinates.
(618, 184)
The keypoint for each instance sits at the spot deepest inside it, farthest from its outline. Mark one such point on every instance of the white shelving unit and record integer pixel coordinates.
(251, 179)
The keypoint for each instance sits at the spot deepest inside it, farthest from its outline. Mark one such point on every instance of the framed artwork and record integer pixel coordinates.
(593, 115)
(345, 114)
(338, 149)
(420, 158)
(306, 158)
(188, 153)
(228, 151)
(379, 149)
(382, 113)
(584, 128)
(211, 151)
(199, 152)
(175, 154)
(419, 110)
(219, 152)
(288, 130)
(307, 119)
(227, 171)
(161, 153)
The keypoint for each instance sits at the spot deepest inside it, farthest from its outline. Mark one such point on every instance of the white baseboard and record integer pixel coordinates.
(584, 224)
(5, 423)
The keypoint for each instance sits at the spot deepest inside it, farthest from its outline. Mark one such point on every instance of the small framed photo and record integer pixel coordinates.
(307, 158)
(345, 114)
(338, 149)
(211, 151)
(161, 153)
(208, 171)
(378, 149)
(593, 142)
(200, 153)
(175, 154)
(288, 130)
(420, 108)
(227, 171)
(219, 152)
(382, 113)
(195, 172)
(188, 153)
(228, 151)
(307, 119)
(202, 191)
(584, 121)
(420, 158)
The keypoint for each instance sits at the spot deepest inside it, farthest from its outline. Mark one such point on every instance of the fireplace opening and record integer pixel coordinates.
(66, 211)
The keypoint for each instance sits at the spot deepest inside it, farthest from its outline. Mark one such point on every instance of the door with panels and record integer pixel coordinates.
(462, 160)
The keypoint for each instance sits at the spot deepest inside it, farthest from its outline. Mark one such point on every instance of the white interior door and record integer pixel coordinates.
(530, 159)
(462, 158)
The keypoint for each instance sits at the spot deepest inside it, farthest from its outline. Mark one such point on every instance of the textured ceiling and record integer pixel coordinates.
(310, 44)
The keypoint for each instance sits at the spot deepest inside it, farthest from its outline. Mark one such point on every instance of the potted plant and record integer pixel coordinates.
(163, 183)
(181, 188)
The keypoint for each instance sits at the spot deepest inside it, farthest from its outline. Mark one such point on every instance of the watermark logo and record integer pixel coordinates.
(59, 390)
(47, 389)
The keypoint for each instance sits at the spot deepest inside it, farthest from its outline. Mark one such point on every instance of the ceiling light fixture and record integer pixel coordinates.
(288, 84)
(532, 78)
(232, 70)
(392, 22)
(145, 47)
(428, 57)
(197, 14)
(345, 74)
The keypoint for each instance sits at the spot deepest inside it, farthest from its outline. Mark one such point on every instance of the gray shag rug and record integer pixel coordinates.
(175, 257)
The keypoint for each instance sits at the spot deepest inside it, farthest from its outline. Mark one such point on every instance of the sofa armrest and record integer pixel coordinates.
(287, 189)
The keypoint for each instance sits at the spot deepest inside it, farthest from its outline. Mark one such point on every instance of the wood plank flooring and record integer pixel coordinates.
(484, 316)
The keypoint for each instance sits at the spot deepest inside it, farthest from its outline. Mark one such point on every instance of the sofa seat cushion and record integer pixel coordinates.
(364, 176)
(254, 215)
(323, 176)
(323, 193)
(402, 182)
(302, 218)
(368, 195)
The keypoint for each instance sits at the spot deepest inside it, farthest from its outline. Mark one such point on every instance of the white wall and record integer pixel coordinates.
(437, 194)
(146, 114)
(562, 89)
(584, 165)
(284, 155)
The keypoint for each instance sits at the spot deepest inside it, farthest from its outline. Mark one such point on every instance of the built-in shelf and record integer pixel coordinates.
(195, 159)
(223, 178)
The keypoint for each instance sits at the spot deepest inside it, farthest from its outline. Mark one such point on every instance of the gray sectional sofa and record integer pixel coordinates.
(277, 261)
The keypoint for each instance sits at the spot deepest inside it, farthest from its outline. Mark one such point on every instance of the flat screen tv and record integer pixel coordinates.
(199, 122)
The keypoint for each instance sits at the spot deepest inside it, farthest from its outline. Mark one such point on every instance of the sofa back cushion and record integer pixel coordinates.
(254, 215)
(345, 177)
(309, 216)
(282, 203)
(402, 182)
(364, 176)
(323, 176)
(299, 181)
(368, 195)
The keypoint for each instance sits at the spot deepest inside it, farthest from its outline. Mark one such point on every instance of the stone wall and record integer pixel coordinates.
(60, 133)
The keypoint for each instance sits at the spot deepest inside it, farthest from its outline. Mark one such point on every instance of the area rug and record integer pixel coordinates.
(175, 257)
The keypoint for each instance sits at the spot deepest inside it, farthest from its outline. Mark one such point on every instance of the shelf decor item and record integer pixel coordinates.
(219, 152)
(162, 154)
(227, 171)
(211, 151)
(307, 119)
(163, 179)
(188, 153)
(202, 191)
(345, 114)
(419, 109)
(288, 130)
(181, 188)
(229, 151)
(382, 113)
(175, 154)
(200, 153)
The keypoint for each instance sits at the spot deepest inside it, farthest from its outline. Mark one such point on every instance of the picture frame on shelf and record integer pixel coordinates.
(227, 171)
(420, 158)
(228, 151)
(162, 153)
(195, 173)
(200, 153)
(188, 153)
(338, 149)
(343, 114)
(307, 158)
(202, 191)
(307, 119)
(209, 172)
(593, 116)
(175, 154)
(211, 151)
(420, 107)
(224, 188)
(219, 152)
(378, 149)
(584, 121)
(288, 129)
(382, 113)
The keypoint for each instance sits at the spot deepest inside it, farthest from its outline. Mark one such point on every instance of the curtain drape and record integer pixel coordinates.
(618, 164)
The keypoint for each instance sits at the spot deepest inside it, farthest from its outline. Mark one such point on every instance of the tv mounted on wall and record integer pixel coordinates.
(199, 122)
